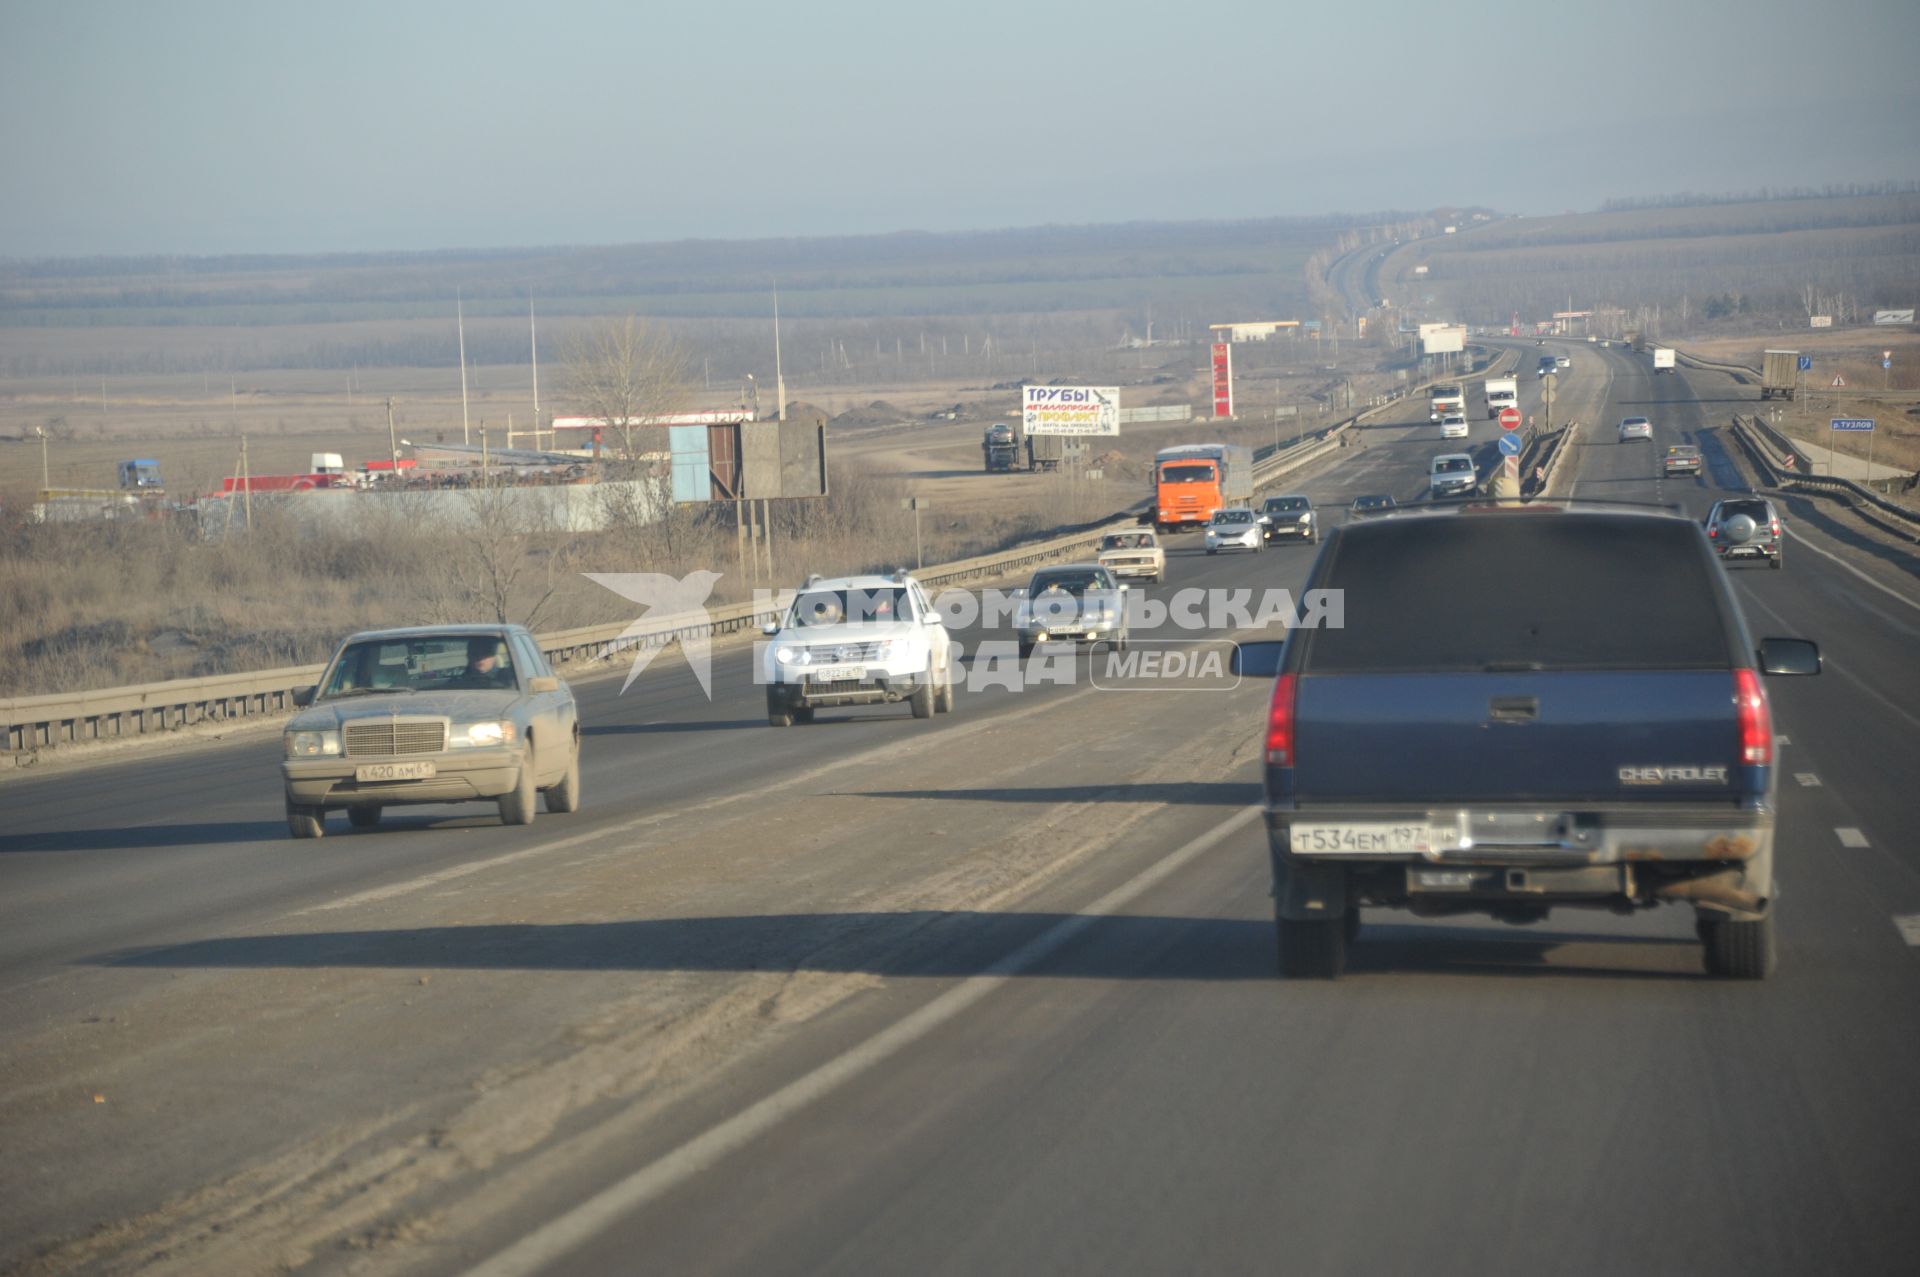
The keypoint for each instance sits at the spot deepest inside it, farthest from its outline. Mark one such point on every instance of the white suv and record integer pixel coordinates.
(857, 640)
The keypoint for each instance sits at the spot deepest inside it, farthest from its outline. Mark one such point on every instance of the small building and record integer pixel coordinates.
(1260, 330)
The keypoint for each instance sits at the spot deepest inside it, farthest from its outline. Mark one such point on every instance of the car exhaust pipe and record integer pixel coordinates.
(1722, 889)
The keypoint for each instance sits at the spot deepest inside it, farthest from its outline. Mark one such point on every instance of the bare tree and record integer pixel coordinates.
(623, 371)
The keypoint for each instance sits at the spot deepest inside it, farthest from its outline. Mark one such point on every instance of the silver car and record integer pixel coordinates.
(432, 714)
(1235, 529)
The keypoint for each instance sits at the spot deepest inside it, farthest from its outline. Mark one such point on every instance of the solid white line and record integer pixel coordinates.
(1909, 925)
(1850, 837)
(554, 1239)
(1827, 554)
(1807, 780)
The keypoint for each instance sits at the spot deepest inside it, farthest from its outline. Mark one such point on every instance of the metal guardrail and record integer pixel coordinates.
(1771, 461)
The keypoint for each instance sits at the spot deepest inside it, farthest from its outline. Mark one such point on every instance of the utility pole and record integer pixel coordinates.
(45, 483)
(461, 319)
(533, 338)
(779, 380)
(393, 446)
(246, 481)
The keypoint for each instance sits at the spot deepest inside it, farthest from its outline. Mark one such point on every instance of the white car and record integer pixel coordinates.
(857, 640)
(1452, 475)
(1236, 529)
(1636, 428)
(1453, 427)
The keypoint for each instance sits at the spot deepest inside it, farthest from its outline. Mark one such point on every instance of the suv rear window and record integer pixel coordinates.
(1752, 509)
(1521, 591)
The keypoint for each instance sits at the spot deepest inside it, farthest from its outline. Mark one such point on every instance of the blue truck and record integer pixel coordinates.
(1523, 709)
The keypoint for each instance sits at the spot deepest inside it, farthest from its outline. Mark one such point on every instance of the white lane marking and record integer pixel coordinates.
(1807, 780)
(553, 1240)
(1827, 554)
(1849, 836)
(1783, 740)
(1909, 925)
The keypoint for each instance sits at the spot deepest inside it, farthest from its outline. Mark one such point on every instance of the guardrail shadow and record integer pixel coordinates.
(143, 837)
(916, 944)
(1175, 793)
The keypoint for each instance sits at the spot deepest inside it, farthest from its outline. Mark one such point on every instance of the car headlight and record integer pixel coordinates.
(1306, 518)
(787, 655)
(312, 744)
(480, 735)
(885, 651)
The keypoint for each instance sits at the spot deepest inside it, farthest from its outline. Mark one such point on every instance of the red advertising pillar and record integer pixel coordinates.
(1222, 379)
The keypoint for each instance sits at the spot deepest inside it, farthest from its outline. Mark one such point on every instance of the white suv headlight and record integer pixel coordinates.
(480, 735)
(312, 744)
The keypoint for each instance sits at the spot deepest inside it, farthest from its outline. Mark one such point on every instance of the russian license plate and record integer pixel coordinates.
(1369, 839)
(837, 674)
(393, 771)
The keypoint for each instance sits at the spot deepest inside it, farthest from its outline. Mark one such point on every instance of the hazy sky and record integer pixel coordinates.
(202, 127)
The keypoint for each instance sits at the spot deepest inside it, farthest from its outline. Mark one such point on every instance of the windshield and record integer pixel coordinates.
(1286, 505)
(1452, 465)
(1127, 541)
(850, 607)
(1190, 472)
(1074, 583)
(422, 663)
(1234, 516)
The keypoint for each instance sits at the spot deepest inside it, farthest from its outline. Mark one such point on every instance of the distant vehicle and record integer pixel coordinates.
(431, 714)
(1134, 554)
(1562, 362)
(140, 475)
(1535, 751)
(1235, 529)
(1546, 367)
(1454, 427)
(1445, 401)
(1779, 374)
(1289, 517)
(1367, 506)
(1502, 392)
(999, 450)
(1072, 603)
(1452, 475)
(1746, 528)
(1043, 452)
(1192, 482)
(1682, 458)
(857, 640)
(1636, 428)
(1662, 359)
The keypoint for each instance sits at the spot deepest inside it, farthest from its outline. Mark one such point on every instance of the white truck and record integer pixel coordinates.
(1446, 401)
(1502, 392)
(1663, 359)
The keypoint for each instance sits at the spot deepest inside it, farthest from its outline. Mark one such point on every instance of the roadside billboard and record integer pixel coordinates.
(1820, 321)
(1893, 316)
(1444, 341)
(1222, 379)
(1070, 410)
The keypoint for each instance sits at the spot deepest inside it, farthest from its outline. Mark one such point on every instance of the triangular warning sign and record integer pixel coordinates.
(1839, 382)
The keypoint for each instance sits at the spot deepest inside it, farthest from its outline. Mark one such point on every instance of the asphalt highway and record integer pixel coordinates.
(993, 992)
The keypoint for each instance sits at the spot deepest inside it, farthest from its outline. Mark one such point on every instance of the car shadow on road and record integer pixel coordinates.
(923, 944)
(1178, 793)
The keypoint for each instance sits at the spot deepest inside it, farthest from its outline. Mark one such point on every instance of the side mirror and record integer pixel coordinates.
(931, 618)
(1257, 660)
(542, 684)
(1789, 656)
(770, 629)
(303, 696)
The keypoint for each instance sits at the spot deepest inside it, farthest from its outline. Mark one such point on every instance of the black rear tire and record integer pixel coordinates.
(1739, 950)
(1313, 949)
(520, 806)
(922, 699)
(803, 714)
(365, 817)
(779, 711)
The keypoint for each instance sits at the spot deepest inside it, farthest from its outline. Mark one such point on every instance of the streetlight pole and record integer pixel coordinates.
(393, 448)
(45, 483)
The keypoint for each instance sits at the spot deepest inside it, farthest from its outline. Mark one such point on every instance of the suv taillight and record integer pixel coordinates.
(1280, 722)
(1776, 527)
(1756, 719)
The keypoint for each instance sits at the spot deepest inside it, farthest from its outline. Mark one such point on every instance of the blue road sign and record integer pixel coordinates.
(1853, 423)
(1509, 445)
(1806, 363)
(1886, 363)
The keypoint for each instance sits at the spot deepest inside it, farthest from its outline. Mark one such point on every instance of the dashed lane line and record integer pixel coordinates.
(1849, 836)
